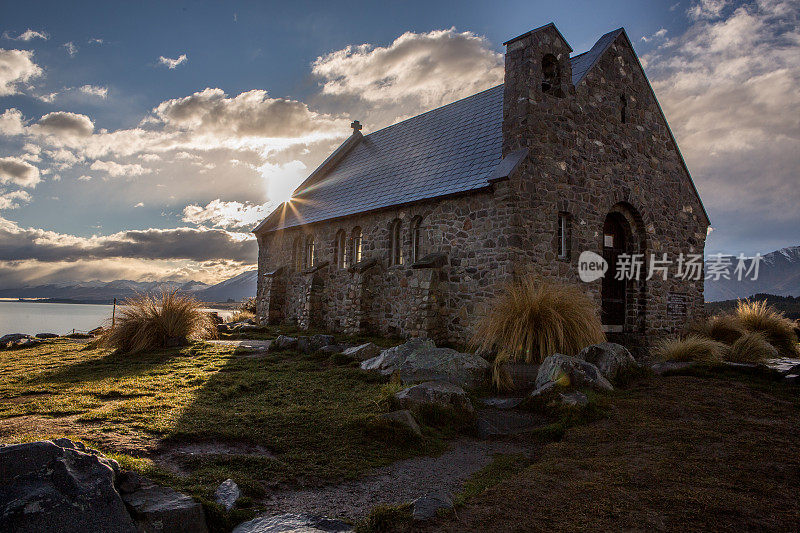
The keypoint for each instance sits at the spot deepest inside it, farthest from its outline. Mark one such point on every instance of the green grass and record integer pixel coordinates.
(307, 412)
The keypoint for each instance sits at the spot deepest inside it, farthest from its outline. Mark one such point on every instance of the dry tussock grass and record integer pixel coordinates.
(776, 328)
(690, 348)
(532, 319)
(149, 322)
(750, 348)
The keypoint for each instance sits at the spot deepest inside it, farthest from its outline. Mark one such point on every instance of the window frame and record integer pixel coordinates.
(396, 243)
(309, 252)
(356, 244)
(416, 239)
(340, 249)
(563, 237)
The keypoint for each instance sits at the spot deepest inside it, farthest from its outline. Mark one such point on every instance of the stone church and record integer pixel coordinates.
(412, 229)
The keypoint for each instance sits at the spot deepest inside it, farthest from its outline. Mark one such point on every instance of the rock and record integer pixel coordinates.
(613, 360)
(320, 341)
(440, 393)
(502, 403)
(77, 335)
(546, 392)
(227, 493)
(304, 345)
(363, 352)
(292, 523)
(330, 350)
(574, 399)
(284, 342)
(248, 328)
(27, 342)
(670, 366)
(421, 360)
(96, 331)
(427, 507)
(17, 340)
(49, 487)
(223, 328)
(158, 509)
(404, 418)
(46, 336)
(570, 371)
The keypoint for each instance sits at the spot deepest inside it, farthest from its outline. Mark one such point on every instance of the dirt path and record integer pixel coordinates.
(248, 344)
(397, 483)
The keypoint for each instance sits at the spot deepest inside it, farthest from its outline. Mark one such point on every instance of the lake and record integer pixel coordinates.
(33, 318)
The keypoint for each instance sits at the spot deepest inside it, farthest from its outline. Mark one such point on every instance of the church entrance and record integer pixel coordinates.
(615, 235)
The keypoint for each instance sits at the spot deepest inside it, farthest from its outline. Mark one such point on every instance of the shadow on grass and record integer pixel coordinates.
(283, 419)
(112, 365)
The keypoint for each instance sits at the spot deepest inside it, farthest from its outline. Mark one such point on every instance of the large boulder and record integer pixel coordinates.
(158, 509)
(57, 488)
(363, 351)
(314, 342)
(438, 393)
(46, 336)
(284, 342)
(403, 418)
(613, 360)
(421, 360)
(568, 371)
(292, 523)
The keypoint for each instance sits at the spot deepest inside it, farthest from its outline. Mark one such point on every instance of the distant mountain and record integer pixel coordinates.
(778, 273)
(236, 288)
(99, 291)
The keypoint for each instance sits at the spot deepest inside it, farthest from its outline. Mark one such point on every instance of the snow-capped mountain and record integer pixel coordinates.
(236, 288)
(778, 273)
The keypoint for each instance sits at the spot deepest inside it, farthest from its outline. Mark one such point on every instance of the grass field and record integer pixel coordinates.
(193, 417)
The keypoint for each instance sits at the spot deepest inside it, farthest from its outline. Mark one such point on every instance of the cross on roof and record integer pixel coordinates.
(356, 125)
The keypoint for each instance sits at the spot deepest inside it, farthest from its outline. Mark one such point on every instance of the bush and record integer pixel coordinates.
(750, 348)
(387, 519)
(149, 322)
(691, 348)
(532, 319)
(776, 328)
(245, 310)
(723, 328)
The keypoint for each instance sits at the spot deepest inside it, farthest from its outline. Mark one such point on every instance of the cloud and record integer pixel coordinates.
(18, 172)
(173, 63)
(94, 90)
(426, 69)
(195, 244)
(726, 85)
(70, 48)
(657, 35)
(12, 122)
(140, 204)
(227, 214)
(16, 67)
(27, 35)
(115, 169)
(249, 114)
(13, 199)
(64, 123)
(707, 9)
(96, 40)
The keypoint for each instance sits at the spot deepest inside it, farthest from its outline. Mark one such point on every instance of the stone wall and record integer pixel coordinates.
(586, 161)
(472, 232)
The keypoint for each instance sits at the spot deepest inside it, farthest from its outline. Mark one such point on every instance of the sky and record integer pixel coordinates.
(144, 140)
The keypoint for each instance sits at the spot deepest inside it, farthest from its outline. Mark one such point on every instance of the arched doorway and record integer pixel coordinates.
(616, 232)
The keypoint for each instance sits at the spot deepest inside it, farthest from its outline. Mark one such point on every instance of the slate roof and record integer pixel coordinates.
(452, 149)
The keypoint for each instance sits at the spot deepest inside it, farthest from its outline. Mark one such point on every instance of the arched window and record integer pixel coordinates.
(355, 245)
(551, 75)
(310, 251)
(340, 249)
(396, 243)
(297, 254)
(416, 239)
(623, 108)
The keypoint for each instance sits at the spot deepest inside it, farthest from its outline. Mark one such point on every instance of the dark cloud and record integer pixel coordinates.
(18, 172)
(156, 244)
(63, 122)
